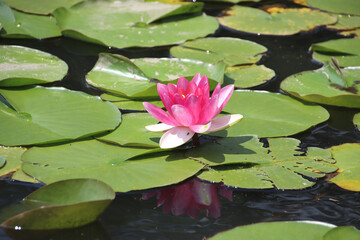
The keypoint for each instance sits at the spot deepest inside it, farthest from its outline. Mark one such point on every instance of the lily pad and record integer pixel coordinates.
(356, 120)
(44, 7)
(342, 233)
(347, 158)
(346, 51)
(65, 204)
(46, 115)
(95, 159)
(271, 114)
(132, 132)
(281, 22)
(346, 22)
(24, 25)
(248, 76)
(327, 85)
(337, 6)
(134, 23)
(233, 51)
(135, 79)
(24, 66)
(277, 231)
(129, 104)
(281, 165)
(10, 159)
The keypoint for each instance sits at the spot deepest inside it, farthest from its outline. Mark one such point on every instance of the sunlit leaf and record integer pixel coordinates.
(342, 233)
(129, 104)
(248, 76)
(356, 120)
(337, 6)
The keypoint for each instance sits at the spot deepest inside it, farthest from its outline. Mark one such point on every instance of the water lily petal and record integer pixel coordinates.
(200, 128)
(208, 110)
(162, 89)
(159, 114)
(224, 122)
(192, 103)
(175, 137)
(196, 79)
(182, 84)
(160, 127)
(224, 96)
(182, 115)
(172, 89)
(167, 101)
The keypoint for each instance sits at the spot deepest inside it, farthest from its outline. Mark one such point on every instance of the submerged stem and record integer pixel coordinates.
(195, 140)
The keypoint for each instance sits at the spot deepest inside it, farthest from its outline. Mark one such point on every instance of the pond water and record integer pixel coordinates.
(130, 216)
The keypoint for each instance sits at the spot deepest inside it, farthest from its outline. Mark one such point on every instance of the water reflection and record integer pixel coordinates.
(191, 197)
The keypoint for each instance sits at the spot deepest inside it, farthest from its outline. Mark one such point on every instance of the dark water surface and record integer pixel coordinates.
(130, 217)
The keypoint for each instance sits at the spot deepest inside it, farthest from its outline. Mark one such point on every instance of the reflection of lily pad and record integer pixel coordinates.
(23, 66)
(134, 23)
(46, 115)
(129, 104)
(356, 120)
(326, 86)
(66, 204)
(284, 22)
(347, 158)
(95, 159)
(271, 114)
(248, 76)
(346, 51)
(280, 165)
(337, 6)
(132, 132)
(19, 24)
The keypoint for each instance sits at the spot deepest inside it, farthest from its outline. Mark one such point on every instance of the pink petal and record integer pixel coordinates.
(191, 88)
(162, 89)
(159, 114)
(203, 82)
(178, 99)
(172, 89)
(224, 95)
(167, 101)
(175, 137)
(182, 115)
(182, 85)
(182, 199)
(161, 127)
(193, 103)
(200, 128)
(224, 122)
(208, 110)
(196, 79)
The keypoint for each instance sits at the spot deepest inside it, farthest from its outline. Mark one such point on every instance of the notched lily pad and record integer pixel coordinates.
(65, 204)
(24, 66)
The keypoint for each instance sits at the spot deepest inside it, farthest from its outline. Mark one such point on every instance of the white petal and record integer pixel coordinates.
(175, 137)
(200, 128)
(224, 122)
(160, 127)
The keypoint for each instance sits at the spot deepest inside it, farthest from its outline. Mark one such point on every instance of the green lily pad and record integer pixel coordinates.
(65, 204)
(40, 6)
(24, 66)
(346, 51)
(134, 23)
(129, 104)
(280, 165)
(95, 159)
(356, 120)
(134, 79)
(347, 158)
(346, 22)
(337, 6)
(24, 25)
(277, 231)
(233, 51)
(248, 76)
(326, 85)
(132, 132)
(271, 114)
(283, 22)
(46, 115)
(2, 161)
(342, 233)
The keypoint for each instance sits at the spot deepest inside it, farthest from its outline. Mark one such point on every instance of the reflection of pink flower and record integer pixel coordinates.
(190, 198)
(190, 110)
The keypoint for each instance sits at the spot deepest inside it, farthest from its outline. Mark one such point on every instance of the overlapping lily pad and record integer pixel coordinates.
(137, 79)
(95, 159)
(327, 85)
(134, 23)
(347, 158)
(19, 24)
(24, 66)
(280, 22)
(346, 51)
(66, 204)
(46, 115)
(271, 114)
(357, 120)
(248, 76)
(337, 6)
(129, 104)
(281, 165)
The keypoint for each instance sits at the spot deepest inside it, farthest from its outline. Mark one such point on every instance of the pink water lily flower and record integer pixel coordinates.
(190, 110)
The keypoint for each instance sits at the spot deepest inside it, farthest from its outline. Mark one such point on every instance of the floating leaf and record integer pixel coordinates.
(248, 76)
(129, 104)
(65, 204)
(356, 120)
(280, 165)
(271, 114)
(347, 158)
(324, 86)
(281, 22)
(2, 161)
(232, 51)
(134, 23)
(40, 6)
(19, 24)
(342, 233)
(132, 132)
(46, 115)
(346, 51)
(277, 230)
(337, 6)
(346, 22)
(95, 159)
(24, 66)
